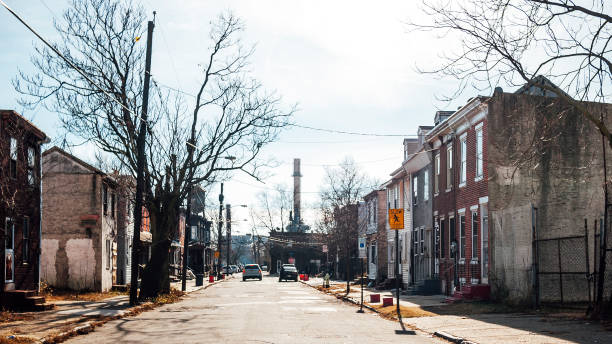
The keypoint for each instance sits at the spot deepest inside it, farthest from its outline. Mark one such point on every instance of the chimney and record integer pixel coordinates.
(296, 192)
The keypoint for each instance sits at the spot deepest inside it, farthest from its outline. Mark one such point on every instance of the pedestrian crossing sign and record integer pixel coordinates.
(396, 218)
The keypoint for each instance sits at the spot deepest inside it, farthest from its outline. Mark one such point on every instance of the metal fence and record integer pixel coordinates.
(562, 269)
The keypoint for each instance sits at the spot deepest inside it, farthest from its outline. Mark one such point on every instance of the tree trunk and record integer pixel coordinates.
(164, 223)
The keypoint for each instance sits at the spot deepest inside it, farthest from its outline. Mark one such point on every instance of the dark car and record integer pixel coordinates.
(288, 272)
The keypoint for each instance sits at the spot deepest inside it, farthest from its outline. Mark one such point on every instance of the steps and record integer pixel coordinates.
(470, 292)
(25, 300)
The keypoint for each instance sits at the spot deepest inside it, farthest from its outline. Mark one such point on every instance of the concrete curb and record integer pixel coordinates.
(452, 338)
(440, 334)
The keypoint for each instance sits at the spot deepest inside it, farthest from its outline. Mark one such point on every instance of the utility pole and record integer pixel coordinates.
(397, 275)
(219, 231)
(140, 165)
(187, 236)
(228, 230)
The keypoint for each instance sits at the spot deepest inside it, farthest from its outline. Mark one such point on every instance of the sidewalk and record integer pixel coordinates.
(70, 316)
(486, 328)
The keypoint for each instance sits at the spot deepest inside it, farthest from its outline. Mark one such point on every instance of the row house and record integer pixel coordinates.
(79, 227)
(20, 206)
(397, 189)
(375, 204)
(460, 213)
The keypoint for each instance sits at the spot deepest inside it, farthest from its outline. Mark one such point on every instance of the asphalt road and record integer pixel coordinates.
(254, 312)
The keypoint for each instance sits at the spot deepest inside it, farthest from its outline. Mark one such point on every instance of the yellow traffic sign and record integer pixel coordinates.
(396, 218)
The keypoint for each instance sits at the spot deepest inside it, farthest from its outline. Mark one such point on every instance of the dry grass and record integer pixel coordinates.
(390, 312)
(70, 295)
(7, 316)
(16, 340)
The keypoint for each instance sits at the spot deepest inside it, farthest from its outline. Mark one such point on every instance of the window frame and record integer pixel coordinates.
(437, 173)
(475, 235)
(105, 199)
(462, 242)
(463, 160)
(426, 185)
(415, 189)
(479, 152)
(13, 157)
(449, 168)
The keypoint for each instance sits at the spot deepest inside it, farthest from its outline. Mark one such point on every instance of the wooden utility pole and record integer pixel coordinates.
(220, 233)
(228, 231)
(140, 164)
(186, 238)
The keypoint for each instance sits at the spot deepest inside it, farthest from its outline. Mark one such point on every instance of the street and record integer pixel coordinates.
(253, 311)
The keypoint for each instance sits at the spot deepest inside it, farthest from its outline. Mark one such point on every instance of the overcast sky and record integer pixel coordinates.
(349, 65)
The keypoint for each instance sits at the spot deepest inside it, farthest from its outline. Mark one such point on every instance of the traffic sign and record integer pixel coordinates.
(362, 247)
(396, 218)
(216, 254)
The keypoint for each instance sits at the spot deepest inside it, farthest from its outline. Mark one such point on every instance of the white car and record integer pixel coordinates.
(251, 271)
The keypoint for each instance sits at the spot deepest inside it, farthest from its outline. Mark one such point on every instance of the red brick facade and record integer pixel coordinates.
(20, 202)
(458, 206)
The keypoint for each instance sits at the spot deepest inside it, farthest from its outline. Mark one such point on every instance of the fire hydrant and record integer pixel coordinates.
(326, 282)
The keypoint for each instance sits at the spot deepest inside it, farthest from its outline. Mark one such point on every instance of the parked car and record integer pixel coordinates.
(227, 270)
(234, 269)
(251, 271)
(288, 272)
(264, 268)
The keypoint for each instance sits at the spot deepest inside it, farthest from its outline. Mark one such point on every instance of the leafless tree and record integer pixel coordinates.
(184, 147)
(343, 187)
(512, 42)
(272, 209)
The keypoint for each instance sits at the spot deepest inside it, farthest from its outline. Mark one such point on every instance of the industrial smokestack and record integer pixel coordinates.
(296, 191)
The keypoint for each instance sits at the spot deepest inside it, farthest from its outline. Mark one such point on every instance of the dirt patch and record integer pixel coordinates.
(390, 312)
(16, 340)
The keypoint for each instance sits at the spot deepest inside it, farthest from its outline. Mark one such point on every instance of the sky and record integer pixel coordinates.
(348, 65)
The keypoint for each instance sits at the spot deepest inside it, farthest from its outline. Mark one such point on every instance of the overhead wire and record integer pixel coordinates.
(77, 69)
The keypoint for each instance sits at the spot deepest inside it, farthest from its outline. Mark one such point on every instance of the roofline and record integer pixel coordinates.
(455, 117)
(39, 133)
(72, 157)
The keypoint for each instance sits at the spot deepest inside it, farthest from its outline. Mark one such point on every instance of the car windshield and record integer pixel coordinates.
(252, 267)
(289, 268)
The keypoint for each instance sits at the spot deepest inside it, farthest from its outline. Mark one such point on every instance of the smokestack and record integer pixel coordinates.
(296, 191)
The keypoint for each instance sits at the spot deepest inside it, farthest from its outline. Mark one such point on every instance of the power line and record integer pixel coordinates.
(349, 132)
(67, 61)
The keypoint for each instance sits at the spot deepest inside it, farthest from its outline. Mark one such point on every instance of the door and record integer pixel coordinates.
(484, 244)
(372, 259)
(9, 251)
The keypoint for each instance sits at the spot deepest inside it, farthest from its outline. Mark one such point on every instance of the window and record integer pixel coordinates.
(484, 217)
(113, 205)
(475, 235)
(8, 234)
(462, 236)
(422, 242)
(31, 166)
(449, 167)
(105, 198)
(437, 173)
(479, 151)
(395, 197)
(25, 242)
(463, 166)
(415, 242)
(388, 199)
(108, 254)
(13, 158)
(415, 189)
(426, 186)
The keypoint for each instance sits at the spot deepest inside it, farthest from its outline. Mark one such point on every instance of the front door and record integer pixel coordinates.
(9, 251)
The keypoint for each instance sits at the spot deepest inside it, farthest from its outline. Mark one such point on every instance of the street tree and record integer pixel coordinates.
(342, 188)
(272, 209)
(223, 129)
(512, 42)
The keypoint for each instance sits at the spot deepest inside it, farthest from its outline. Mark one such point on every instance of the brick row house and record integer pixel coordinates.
(460, 213)
(20, 206)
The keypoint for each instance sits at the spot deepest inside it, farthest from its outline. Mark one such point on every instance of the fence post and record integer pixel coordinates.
(586, 251)
(560, 272)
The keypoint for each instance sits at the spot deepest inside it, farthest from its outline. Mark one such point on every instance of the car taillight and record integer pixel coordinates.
(259, 271)
(243, 270)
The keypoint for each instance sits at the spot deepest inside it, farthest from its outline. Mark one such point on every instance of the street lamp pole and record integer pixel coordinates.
(219, 236)
(228, 230)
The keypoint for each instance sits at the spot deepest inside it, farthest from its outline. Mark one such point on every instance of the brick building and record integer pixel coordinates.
(376, 234)
(79, 223)
(459, 143)
(20, 203)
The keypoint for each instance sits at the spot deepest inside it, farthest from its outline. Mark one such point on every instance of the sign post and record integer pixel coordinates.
(362, 255)
(396, 222)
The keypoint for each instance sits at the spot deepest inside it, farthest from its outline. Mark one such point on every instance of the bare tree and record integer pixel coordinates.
(343, 187)
(513, 42)
(272, 208)
(183, 147)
